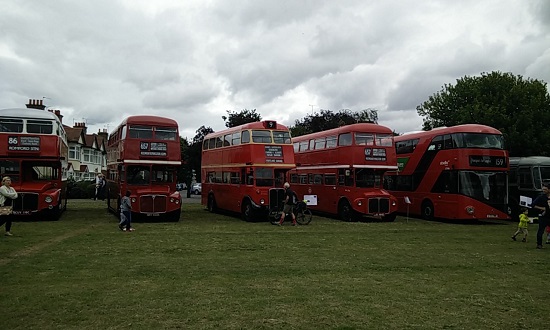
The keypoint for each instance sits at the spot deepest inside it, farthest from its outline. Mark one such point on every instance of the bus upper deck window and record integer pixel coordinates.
(40, 126)
(169, 134)
(141, 132)
(261, 136)
(364, 139)
(11, 125)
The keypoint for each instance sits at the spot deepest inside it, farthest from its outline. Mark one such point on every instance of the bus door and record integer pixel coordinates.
(446, 189)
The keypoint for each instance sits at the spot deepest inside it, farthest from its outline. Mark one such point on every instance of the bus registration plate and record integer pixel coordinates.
(152, 214)
(21, 212)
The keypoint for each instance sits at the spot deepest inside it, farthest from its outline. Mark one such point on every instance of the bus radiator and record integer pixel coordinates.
(26, 202)
(152, 203)
(379, 205)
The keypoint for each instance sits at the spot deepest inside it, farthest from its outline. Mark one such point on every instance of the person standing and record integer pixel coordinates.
(289, 202)
(522, 226)
(541, 204)
(125, 223)
(98, 182)
(7, 195)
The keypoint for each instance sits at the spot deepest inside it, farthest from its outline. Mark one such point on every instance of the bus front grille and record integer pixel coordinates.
(26, 202)
(152, 203)
(379, 205)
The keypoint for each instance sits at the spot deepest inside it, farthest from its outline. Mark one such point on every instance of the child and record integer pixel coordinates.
(125, 223)
(522, 226)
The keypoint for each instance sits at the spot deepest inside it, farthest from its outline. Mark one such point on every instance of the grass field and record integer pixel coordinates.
(217, 272)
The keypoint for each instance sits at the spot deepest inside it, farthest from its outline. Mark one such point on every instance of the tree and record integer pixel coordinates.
(238, 118)
(194, 152)
(519, 108)
(327, 119)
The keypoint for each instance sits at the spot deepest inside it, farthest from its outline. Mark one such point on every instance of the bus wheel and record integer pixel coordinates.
(427, 210)
(389, 217)
(247, 211)
(345, 211)
(211, 203)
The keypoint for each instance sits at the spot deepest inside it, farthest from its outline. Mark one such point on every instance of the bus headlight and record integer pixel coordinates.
(470, 209)
(359, 203)
(133, 199)
(171, 199)
(262, 201)
(48, 199)
(393, 203)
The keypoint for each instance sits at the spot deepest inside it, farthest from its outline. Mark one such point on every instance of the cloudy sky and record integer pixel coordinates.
(192, 60)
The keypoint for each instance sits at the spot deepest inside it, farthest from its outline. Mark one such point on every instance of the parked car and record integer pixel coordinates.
(196, 188)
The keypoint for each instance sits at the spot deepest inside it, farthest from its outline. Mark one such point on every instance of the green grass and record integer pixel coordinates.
(217, 272)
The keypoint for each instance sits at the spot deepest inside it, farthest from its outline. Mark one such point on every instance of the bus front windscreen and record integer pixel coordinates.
(264, 177)
(138, 174)
(489, 187)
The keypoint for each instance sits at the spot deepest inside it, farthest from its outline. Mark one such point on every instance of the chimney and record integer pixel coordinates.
(57, 113)
(103, 133)
(35, 104)
(81, 125)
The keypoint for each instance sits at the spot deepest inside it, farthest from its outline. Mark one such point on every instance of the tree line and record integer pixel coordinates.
(518, 107)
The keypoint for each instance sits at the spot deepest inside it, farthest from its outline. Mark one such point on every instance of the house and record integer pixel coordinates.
(87, 152)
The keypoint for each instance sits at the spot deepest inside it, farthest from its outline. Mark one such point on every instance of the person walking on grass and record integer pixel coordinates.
(289, 202)
(522, 225)
(7, 195)
(541, 203)
(125, 223)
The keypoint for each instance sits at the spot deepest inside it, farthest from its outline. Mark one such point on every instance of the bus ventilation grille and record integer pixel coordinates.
(26, 202)
(379, 205)
(152, 203)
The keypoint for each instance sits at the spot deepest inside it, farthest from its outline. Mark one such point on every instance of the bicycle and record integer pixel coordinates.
(301, 213)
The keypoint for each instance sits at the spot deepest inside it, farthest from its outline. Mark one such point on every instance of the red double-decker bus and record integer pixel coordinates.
(143, 155)
(344, 168)
(244, 168)
(456, 173)
(34, 154)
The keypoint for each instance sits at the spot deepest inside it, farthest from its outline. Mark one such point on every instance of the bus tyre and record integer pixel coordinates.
(211, 203)
(389, 217)
(346, 212)
(427, 210)
(247, 211)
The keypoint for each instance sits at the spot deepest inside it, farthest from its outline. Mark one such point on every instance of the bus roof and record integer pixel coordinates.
(26, 113)
(466, 128)
(359, 127)
(149, 120)
(255, 125)
(531, 160)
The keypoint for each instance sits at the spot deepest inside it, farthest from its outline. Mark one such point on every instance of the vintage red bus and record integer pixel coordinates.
(455, 173)
(34, 153)
(143, 155)
(344, 168)
(243, 168)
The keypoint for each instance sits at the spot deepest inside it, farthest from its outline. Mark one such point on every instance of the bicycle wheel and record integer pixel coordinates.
(304, 217)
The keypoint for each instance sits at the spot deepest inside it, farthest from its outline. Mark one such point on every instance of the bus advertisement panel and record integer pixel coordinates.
(344, 167)
(456, 173)
(143, 155)
(34, 154)
(244, 167)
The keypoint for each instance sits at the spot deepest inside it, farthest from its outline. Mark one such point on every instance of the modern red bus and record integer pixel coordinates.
(244, 168)
(34, 154)
(456, 173)
(344, 168)
(143, 155)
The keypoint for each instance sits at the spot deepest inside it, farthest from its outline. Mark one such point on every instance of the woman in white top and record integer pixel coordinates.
(7, 195)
